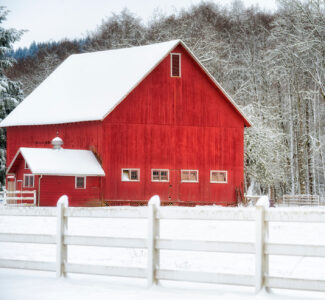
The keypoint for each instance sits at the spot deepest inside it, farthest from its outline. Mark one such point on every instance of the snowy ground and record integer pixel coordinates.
(21, 284)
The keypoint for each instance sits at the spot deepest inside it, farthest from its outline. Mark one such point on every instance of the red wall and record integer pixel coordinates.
(50, 193)
(166, 123)
(174, 123)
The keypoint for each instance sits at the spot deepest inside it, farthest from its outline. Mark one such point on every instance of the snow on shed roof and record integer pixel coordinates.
(87, 87)
(65, 162)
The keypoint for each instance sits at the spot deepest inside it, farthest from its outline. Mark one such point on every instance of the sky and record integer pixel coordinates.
(52, 20)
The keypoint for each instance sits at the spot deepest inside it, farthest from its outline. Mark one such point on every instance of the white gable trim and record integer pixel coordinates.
(13, 160)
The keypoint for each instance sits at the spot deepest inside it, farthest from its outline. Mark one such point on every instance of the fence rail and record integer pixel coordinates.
(18, 197)
(262, 248)
(300, 200)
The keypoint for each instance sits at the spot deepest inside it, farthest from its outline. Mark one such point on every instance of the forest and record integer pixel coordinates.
(271, 63)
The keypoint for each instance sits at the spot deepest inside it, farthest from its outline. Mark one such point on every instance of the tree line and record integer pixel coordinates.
(273, 65)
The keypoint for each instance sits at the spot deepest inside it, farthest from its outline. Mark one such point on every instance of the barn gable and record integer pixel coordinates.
(192, 99)
(87, 87)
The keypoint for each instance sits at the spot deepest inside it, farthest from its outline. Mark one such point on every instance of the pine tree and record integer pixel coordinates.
(10, 91)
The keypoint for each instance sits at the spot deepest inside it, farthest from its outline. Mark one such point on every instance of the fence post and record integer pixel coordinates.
(34, 195)
(62, 227)
(266, 257)
(153, 234)
(259, 248)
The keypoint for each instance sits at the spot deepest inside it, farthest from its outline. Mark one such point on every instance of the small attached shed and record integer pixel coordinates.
(49, 171)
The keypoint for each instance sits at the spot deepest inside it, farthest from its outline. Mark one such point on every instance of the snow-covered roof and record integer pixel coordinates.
(87, 87)
(65, 162)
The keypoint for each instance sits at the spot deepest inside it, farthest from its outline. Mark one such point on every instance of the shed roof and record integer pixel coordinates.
(87, 87)
(64, 162)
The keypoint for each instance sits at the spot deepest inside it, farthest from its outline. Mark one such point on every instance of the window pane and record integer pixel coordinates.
(126, 175)
(80, 182)
(26, 181)
(155, 175)
(31, 181)
(193, 176)
(185, 176)
(175, 65)
(214, 176)
(134, 175)
(219, 176)
(164, 175)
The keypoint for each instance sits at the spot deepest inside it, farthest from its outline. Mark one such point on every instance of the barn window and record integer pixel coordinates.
(130, 174)
(80, 182)
(26, 165)
(189, 175)
(218, 176)
(28, 181)
(175, 65)
(159, 175)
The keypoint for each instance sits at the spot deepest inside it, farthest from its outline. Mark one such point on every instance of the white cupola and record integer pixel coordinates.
(57, 143)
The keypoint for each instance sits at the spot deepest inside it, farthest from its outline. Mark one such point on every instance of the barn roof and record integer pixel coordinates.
(87, 87)
(64, 162)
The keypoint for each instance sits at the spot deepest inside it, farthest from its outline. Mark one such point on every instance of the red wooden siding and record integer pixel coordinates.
(50, 193)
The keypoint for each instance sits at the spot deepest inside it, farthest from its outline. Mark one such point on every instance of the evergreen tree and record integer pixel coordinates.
(10, 91)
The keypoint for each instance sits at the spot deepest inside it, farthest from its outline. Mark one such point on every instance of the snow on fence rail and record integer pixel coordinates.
(262, 248)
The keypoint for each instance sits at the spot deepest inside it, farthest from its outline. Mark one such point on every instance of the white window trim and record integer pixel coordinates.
(26, 166)
(153, 180)
(189, 181)
(171, 65)
(223, 171)
(85, 183)
(29, 175)
(131, 180)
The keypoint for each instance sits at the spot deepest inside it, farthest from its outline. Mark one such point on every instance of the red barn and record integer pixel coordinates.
(135, 122)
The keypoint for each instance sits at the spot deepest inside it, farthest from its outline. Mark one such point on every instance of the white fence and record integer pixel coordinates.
(301, 200)
(262, 248)
(18, 198)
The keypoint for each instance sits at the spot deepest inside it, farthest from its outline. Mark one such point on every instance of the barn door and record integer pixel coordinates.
(11, 186)
(173, 188)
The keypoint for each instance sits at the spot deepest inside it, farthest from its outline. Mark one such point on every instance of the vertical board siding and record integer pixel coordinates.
(50, 193)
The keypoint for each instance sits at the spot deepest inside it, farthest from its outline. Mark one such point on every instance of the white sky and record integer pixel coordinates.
(48, 20)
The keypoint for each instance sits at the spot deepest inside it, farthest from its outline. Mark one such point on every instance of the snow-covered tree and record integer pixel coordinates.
(10, 91)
